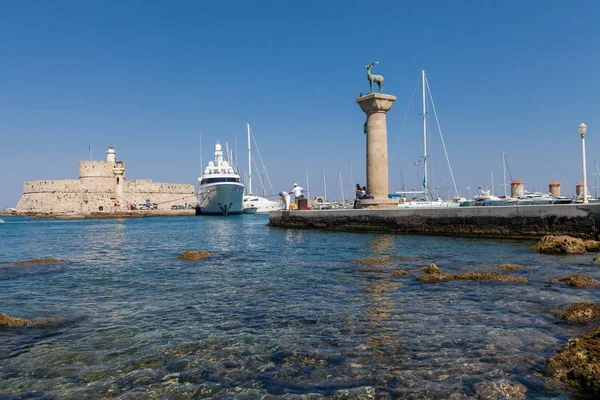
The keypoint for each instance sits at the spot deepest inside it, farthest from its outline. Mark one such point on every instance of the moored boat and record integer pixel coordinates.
(220, 190)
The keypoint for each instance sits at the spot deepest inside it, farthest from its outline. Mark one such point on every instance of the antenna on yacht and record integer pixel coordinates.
(201, 163)
(249, 162)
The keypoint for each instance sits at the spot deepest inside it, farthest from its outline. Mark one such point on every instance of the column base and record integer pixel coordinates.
(377, 203)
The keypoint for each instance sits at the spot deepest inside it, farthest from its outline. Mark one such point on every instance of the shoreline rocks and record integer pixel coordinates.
(578, 363)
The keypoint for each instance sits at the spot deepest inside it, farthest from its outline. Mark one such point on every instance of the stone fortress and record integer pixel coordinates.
(102, 187)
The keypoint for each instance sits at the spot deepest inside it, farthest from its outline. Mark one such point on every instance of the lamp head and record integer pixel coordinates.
(582, 129)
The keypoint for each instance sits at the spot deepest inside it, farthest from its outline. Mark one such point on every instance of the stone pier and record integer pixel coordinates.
(577, 220)
(375, 106)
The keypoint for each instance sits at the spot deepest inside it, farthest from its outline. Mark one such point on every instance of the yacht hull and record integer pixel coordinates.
(262, 205)
(221, 198)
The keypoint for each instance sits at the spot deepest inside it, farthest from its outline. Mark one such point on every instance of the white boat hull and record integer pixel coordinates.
(220, 198)
(262, 205)
(428, 204)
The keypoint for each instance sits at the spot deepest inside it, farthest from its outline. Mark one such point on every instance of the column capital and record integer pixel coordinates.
(375, 103)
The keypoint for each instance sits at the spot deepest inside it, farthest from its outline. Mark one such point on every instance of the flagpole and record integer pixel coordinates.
(90, 152)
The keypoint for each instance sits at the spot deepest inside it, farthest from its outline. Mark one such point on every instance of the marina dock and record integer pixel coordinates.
(524, 222)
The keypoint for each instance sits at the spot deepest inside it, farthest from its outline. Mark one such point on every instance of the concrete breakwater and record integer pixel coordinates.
(577, 220)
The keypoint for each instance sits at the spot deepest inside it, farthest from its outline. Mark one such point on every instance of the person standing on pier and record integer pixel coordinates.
(285, 198)
(297, 192)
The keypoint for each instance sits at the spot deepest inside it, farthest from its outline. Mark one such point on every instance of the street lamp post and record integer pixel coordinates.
(582, 129)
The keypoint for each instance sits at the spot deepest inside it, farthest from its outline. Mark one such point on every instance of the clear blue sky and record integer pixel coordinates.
(149, 76)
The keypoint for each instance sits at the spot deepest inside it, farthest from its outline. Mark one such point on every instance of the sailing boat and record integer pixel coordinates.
(256, 204)
(426, 203)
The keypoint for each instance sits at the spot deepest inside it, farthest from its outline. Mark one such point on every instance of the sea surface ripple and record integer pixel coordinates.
(275, 313)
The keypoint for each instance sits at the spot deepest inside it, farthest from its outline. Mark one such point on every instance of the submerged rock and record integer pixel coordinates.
(362, 393)
(434, 274)
(509, 267)
(578, 364)
(596, 260)
(577, 280)
(580, 312)
(6, 321)
(194, 255)
(28, 263)
(375, 260)
(559, 245)
(398, 272)
(501, 390)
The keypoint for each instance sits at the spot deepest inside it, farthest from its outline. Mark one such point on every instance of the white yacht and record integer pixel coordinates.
(260, 205)
(486, 199)
(220, 191)
(535, 198)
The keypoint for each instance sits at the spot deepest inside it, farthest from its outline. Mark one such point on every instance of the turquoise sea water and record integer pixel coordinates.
(274, 313)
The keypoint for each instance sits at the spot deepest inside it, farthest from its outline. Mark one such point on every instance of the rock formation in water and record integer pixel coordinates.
(28, 263)
(580, 313)
(592, 245)
(6, 321)
(560, 245)
(376, 260)
(434, 274)
(194, 255)
(577, 280)
(578, 364)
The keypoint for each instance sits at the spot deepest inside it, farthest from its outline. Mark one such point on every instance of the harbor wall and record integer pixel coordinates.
(577, 220)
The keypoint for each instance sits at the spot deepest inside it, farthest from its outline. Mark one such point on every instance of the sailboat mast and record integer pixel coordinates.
(596, 176)
(201, 164)
(341, 186)
(492, 174)
(504, 172)
(425, 183)
(307, 189)
(324, 186)
(249, 163)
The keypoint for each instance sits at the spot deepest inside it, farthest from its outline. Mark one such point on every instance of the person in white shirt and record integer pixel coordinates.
(297, 192)
(285, 198)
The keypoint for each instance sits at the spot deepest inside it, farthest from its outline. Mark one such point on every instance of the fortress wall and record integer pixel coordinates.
(163, 194)
(98, 185)
(66, 196)
(95, 169)
(50, 186)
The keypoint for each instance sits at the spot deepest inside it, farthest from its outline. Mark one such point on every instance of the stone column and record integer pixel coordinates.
(375, 106)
